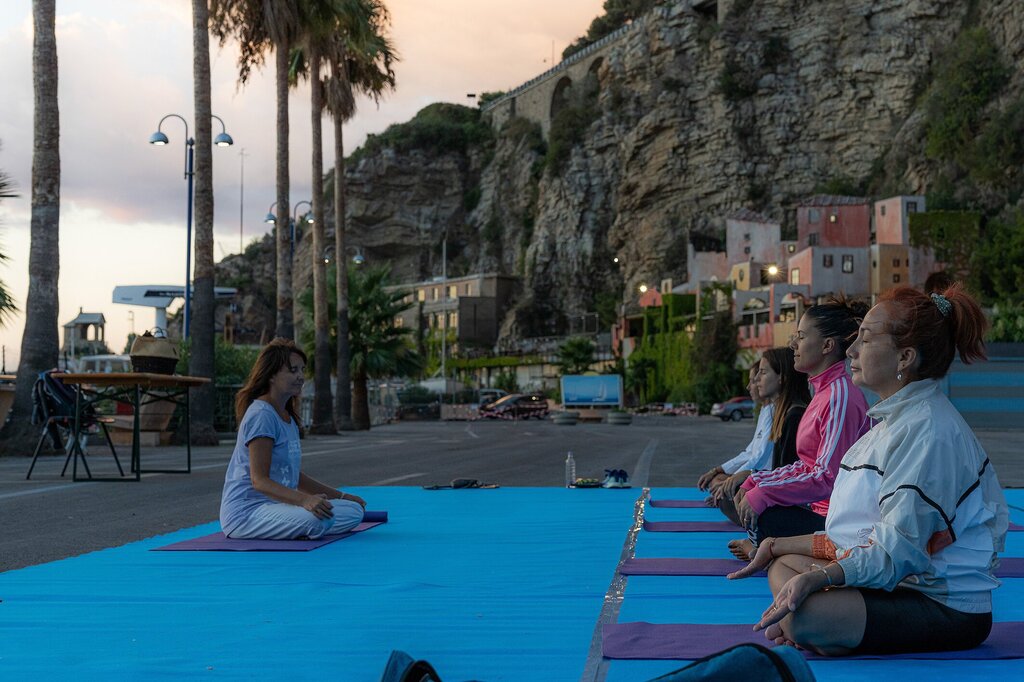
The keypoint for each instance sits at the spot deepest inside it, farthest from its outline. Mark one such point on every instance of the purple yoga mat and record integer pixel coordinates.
(217, 542)
(689, 641)
(680, 504)
(674, 566)
(692, 526)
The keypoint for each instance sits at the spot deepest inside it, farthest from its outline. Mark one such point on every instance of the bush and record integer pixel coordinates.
(969, 76)
(736, 82)
(436, 129)
(506, 381)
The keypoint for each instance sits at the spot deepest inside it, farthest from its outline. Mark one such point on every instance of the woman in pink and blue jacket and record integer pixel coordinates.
(793, 500)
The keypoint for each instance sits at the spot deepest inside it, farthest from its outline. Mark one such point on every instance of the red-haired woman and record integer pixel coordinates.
(917, 515)
(266, 495)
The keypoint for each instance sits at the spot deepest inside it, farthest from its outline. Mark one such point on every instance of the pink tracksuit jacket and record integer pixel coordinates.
(834, 420)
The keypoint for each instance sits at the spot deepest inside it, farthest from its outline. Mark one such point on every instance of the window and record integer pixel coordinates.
(813, 215)
(874, 264)
(741, 275)
(794, 276)
(469, 289)
(746, 250)
(834, 216)
(399, 322)
(881, 209)
(453, 291)
(433, 294)
(896, 279)
(746, 237)
(453, 320)
(895, 262)
(791, 248)
(421, 294)
(911, 207)
(847, 264)
(812, 239)
(826, 260)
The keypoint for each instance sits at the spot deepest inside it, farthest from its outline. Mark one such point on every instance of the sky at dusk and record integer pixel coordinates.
(124, 65)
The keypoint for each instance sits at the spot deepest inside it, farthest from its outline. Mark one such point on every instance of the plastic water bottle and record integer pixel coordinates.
(570, 471)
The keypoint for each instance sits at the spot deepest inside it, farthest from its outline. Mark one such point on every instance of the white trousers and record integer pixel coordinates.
(282, 521)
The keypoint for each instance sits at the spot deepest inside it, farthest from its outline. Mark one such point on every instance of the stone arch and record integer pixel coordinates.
(560, 96)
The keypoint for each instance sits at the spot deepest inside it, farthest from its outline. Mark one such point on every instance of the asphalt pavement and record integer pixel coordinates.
(51, 518)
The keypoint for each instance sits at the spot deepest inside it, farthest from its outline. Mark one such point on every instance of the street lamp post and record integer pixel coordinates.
(444, 308)
(271, 219)
(159, 139)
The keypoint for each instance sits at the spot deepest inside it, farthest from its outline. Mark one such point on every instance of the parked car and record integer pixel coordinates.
(516, 406)
(735, 409)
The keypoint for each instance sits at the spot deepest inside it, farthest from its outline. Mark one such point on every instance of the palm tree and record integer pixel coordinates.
(379, 348)
(332, 30)
(201, 361)
(576, 355)
(7, 305)
(39, 342)
(362, 61)
(259, 26)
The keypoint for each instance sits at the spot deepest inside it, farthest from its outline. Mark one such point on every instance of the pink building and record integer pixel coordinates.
(832, 269)
(750, 236)
(892, 228)
(827, 220)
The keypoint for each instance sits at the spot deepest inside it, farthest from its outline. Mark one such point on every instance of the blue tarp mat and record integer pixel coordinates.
(486, 584)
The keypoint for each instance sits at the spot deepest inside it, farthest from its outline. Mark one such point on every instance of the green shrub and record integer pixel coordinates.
(1007, 323)
(568, 129)
(969, 76)
(736, 82)
(436, 129)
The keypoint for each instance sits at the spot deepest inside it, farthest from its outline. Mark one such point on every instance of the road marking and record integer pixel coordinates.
(396, 479)
(469, 430)
(643, 466)
(6, 496)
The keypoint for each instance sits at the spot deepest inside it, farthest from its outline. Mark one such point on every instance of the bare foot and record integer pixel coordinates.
(774, 633)
(742, 549)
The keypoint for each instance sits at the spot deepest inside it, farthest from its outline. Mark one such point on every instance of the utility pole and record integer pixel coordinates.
(241, 197)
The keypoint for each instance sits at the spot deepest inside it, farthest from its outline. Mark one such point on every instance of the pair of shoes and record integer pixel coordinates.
(615, 478)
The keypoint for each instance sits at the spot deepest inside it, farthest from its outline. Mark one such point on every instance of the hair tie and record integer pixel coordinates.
(943, 304)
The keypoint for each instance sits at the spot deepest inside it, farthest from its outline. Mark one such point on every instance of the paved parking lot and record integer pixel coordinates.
(50, 518)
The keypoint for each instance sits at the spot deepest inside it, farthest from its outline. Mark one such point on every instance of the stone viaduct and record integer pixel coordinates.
(541, 97)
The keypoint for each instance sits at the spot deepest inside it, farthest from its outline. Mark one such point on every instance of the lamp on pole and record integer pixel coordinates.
(159, 139)
(271, 219)
(358, 257)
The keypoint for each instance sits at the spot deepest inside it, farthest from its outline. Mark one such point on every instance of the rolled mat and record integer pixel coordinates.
(692, 527)
(218, 542)
(674, 566)
(680, 504)
(1010, 567)
(690, 641)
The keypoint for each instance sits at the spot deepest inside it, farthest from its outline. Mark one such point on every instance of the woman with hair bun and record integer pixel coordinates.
(266, 495)
(793, 499)
(917, 516)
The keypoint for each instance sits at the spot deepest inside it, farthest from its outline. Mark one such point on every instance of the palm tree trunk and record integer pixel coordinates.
(39, 341)
(201, 354)
(323, 413)
(285, 313)
(343, 400)
(360, 402)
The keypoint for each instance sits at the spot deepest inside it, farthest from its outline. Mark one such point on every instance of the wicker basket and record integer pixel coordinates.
(154, 354)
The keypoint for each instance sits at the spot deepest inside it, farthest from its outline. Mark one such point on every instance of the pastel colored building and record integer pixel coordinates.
(892, 227)
(832, 220)
(831, 269)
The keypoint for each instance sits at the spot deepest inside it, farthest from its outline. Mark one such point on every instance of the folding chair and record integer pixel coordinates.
(53, 407)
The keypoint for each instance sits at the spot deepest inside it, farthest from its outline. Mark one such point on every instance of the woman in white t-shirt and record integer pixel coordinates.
(266, 495)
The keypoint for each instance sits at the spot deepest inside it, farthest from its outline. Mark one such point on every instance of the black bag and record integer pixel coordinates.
(402, 668)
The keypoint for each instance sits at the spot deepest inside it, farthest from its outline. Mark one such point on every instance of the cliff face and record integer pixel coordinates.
(686, 121)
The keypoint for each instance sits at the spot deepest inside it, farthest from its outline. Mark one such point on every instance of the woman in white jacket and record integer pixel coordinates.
(916, 516)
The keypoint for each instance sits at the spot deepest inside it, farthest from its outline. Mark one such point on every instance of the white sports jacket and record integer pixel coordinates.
(917, 504)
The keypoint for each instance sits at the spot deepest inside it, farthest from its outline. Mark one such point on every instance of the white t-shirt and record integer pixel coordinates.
(758, 455)
(239, 499)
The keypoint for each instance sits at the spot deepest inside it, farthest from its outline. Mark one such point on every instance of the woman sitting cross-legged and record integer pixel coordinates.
(917, 515)
(721, 481)
(793, 499)
(784, 390)
(266, 495)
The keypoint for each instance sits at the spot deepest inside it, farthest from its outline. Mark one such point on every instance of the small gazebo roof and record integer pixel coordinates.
(87, 318)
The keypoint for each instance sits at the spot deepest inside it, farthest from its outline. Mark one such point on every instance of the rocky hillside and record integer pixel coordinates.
(688, 119)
